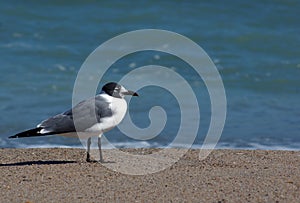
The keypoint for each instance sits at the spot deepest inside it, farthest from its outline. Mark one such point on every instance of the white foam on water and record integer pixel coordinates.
(145, 144)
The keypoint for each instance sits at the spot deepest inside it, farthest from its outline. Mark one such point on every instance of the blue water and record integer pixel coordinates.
(254, 45)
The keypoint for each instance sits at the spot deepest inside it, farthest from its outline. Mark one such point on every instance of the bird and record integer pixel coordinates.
(91, 117)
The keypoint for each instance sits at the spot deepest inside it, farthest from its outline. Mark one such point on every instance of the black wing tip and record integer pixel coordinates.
(28, 133)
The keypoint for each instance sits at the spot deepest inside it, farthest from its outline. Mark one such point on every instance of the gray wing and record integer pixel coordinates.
(87, 112)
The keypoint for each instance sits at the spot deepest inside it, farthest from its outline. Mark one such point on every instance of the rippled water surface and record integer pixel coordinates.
(254, 45)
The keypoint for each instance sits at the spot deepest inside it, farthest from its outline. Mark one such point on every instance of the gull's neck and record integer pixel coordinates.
(108, 97)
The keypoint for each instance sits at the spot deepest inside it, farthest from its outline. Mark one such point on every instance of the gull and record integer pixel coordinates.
(90, 118)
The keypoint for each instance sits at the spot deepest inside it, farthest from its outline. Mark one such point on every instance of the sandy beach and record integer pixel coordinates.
(62, 175)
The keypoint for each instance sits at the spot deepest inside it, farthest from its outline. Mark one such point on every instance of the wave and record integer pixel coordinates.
(145, 144)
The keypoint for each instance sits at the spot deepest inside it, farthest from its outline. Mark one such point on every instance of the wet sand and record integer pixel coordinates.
(62, 175)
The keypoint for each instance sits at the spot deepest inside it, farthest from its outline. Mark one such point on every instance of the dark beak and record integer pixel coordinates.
(129, 92)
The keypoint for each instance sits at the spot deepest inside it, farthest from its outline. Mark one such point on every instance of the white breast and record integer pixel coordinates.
(119, 108)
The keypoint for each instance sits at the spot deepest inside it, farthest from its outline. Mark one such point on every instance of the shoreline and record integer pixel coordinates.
(61, 174)
(125, 145)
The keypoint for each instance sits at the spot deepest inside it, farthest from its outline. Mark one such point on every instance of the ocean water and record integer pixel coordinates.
(254, 45)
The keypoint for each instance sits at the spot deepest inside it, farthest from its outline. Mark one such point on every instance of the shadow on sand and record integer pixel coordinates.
(37, 163)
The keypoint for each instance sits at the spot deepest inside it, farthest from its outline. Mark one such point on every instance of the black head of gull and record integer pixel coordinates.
(118, 91)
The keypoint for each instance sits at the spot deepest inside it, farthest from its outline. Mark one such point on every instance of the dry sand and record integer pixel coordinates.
(62, 175)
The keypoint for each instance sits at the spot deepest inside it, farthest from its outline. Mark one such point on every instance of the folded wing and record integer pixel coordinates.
(84, 115)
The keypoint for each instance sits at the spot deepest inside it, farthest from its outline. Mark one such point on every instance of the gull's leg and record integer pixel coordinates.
(88, 158)
(99, 146)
